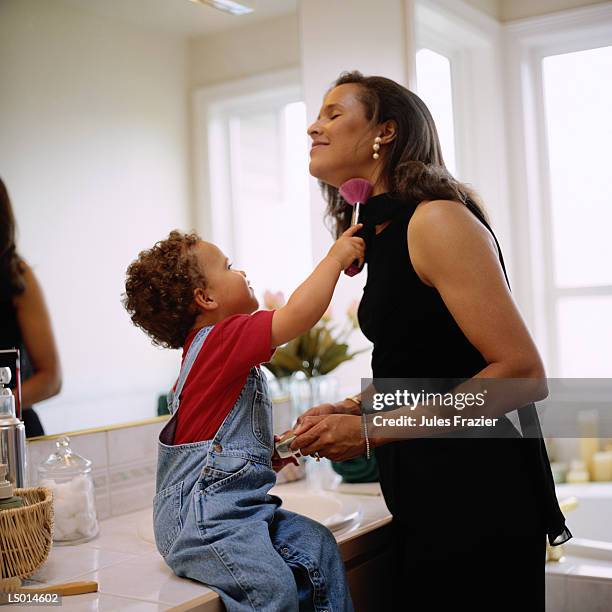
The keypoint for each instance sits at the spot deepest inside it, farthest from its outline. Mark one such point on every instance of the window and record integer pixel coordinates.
(435, 89)
(258, 179)
(577, 95)
(558, 101)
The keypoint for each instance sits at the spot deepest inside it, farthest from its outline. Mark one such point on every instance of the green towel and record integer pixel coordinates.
(162, 405)
(358, 469)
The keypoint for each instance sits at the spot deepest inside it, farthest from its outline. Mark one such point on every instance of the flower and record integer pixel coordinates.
(319, 350)
(327, 315)
(273, 301)
(351, 313)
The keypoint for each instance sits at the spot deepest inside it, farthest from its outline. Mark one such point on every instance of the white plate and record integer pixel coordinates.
(333, 512)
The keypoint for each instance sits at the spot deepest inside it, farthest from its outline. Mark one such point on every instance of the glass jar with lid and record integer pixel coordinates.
(68, 475)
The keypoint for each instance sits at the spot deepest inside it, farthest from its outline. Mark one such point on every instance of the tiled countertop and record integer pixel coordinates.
(133, 577)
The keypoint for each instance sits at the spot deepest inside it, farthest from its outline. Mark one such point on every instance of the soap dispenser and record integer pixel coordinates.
(7, 499)
(12, 434)
(68, 475)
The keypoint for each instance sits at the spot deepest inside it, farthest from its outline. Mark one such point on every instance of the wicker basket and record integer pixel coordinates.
(26, 533)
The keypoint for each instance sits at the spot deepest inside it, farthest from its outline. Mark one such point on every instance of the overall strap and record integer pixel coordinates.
(190, 358)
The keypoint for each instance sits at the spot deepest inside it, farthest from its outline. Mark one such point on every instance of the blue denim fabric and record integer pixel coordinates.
(215, 521)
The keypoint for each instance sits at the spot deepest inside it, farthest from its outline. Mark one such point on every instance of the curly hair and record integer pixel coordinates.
(11, 264)
(414, 164)
(159, 289)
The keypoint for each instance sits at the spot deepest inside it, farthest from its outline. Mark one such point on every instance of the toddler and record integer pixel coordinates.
(214, 520)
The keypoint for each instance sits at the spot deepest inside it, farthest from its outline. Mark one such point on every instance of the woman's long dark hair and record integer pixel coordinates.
(413, 162)
(11, 265)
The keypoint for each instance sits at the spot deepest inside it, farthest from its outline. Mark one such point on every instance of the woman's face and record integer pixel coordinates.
(342, 138)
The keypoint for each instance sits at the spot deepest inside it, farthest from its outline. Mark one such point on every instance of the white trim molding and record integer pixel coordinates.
(211, 165)
(472, 41)
(526, 43)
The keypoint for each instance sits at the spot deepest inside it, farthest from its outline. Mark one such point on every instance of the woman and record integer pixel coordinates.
(25, 323)
(470, 515)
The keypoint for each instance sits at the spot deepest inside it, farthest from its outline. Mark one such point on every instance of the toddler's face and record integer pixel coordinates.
(226, 285)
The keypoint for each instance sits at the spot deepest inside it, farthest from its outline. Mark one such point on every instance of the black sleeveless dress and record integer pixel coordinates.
(470, 515)
(10, 337)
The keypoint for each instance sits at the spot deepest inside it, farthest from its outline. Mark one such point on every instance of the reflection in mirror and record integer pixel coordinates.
(98, 153)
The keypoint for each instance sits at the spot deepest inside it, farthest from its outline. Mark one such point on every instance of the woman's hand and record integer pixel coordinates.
(335, 436)
(343, 407)
(320, 410)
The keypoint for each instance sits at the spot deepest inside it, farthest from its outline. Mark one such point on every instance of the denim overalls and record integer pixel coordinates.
(215, 521)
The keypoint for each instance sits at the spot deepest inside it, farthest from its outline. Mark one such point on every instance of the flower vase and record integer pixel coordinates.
(308, 392)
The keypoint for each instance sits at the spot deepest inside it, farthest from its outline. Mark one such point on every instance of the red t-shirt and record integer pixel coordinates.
(232, 347)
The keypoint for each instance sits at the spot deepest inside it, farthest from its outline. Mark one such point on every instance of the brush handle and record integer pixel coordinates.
(68, 588)
(355, 268)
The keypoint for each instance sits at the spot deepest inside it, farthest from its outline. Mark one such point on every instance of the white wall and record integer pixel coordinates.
(230, 63)
(93, 117)
(266, 46)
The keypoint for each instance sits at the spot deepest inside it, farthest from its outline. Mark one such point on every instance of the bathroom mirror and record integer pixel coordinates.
(97, 152)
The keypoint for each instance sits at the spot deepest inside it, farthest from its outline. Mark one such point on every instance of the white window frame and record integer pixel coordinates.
(527, 42)
(211, 153)
(473, 42)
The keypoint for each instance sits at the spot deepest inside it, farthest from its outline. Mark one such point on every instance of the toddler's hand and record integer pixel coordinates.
(348, 247)
(277, 462)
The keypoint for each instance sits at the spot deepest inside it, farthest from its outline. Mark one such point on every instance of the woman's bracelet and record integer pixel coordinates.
(356, 399)
(365, 434)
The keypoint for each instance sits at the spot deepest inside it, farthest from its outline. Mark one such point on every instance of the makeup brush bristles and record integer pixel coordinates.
(356, 190)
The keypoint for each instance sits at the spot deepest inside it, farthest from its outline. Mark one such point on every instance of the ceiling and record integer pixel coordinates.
(182, 17)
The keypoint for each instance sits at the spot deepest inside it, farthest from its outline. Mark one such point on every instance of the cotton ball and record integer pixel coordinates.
(86, 523)
(62, 507)
(79, 501)
(64, 527)
(80, 484)
(62, 489)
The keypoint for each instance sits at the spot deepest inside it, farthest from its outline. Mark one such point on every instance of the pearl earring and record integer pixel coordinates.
(376, 147)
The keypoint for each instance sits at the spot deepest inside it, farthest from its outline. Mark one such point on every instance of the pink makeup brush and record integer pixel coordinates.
(356, 193)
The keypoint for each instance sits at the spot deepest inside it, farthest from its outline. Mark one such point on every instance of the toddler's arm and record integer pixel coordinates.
(309, 301)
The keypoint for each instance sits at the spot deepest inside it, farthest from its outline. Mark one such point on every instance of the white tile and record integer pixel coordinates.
(30, 467)
(132, 486)
(559, 568)
(99, 602)
(38, 451)
(67, 562)
(96, 602)
(157, 427)
(586, 567)
(91, 446)
(103, 506)
(556, 597)
(146, 577)
(133, 444)
(591, 569)
(123, 534)
(586, 595)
